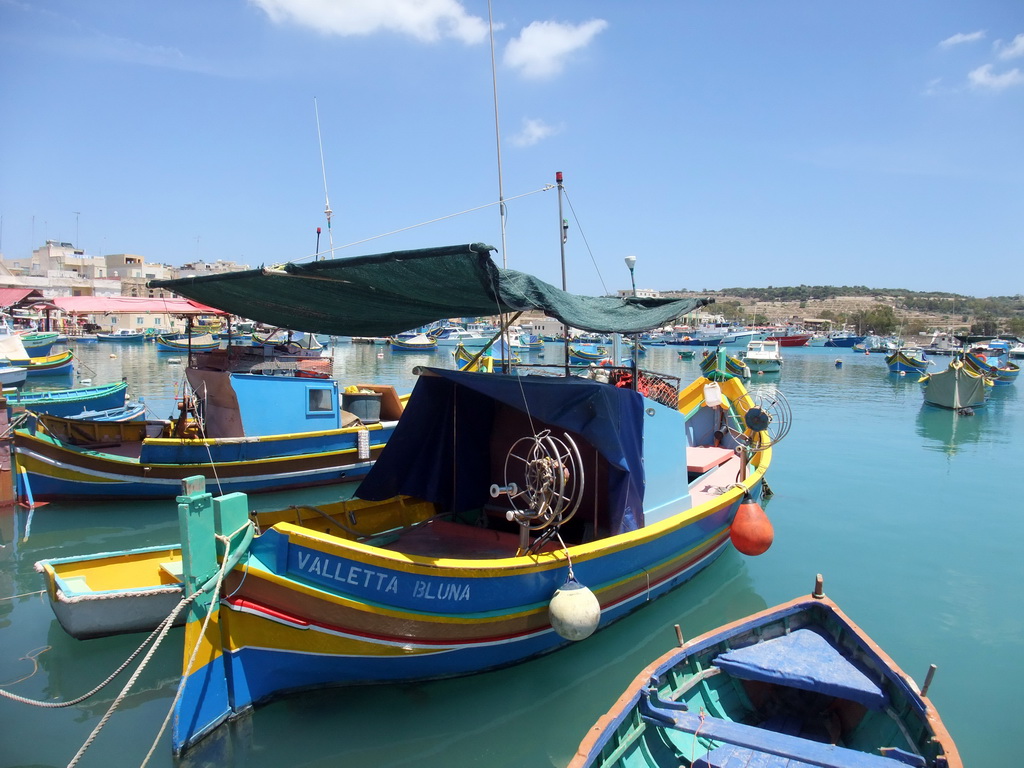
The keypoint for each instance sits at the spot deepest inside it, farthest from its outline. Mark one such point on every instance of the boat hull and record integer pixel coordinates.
(902, 362)
(403, 589)
(55, 470)
(793, 340)
(956, 388)
(50, 365)
(114, 593)
(379, 619)
(1001, 372)
(797, 684)
(70, 402)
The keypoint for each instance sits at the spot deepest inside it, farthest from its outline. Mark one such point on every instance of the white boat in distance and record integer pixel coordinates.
(763, 357)
(453, 335)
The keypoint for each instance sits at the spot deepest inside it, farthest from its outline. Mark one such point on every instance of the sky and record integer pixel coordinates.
(723, 143)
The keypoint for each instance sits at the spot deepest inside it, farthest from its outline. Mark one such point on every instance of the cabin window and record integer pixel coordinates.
(321, 400)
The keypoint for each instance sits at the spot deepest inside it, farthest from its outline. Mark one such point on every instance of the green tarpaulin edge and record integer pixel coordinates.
(384, 294)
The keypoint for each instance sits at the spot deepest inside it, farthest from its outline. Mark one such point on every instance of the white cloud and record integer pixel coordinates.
(1014, 50)
(983, 77)
(962, 37)
(425, 20)
(543, 47)
(532, 132)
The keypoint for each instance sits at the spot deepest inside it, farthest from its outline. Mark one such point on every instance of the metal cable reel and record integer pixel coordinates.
(552, 474)
(764, 418)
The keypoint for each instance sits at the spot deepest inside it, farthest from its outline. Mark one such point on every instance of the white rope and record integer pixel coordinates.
(164, 629)
(161, 628)
(195, 650)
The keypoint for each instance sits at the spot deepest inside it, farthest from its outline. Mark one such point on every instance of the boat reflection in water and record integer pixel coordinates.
(949, 432)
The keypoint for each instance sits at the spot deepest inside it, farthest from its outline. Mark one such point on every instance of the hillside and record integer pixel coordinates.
(883, 310)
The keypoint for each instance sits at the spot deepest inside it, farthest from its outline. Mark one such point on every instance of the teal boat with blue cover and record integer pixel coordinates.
(794, 686)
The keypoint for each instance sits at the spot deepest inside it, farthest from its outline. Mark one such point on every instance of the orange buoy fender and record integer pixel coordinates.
(751, 531)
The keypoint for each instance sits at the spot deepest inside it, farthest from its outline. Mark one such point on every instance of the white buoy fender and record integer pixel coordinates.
(574, 611)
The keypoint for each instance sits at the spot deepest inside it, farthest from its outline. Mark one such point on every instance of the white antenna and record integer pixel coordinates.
(497, 138)
(323, 169)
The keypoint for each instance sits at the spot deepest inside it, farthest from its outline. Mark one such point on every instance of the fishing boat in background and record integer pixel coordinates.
(579, 355)
(12, 376)
(957, 387)
(511, 515)
(14, 353)
(799, 684)
(843, 339)
(742, 337)
(68, 402)
(123, 336)
(413, 342)
(790, 338)
(686, 354)
(58, 364)
(100, 429)
(201, 343)
(39, 343)
(249, 432)
(453, 335)
(993, 360)
(494, 356)
(763, 356)
(127, 412)
(733, 365)
(283, 343)
(904, 361)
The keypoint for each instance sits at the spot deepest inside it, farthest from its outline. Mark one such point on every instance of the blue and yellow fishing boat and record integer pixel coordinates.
(586, 355)
(57, 364)
(993, 360)
(241, 442)
(509, 516)
(906, 361)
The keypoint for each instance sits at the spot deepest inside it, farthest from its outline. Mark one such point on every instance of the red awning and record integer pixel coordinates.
(93, 305)
(11, 296)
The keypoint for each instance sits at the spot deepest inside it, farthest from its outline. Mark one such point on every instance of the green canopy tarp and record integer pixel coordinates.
(385, 294)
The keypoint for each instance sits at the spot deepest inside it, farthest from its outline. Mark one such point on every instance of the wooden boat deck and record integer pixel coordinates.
(441, 538)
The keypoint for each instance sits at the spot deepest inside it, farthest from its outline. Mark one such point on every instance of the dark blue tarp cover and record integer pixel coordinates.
(440, 450)
(806, 660)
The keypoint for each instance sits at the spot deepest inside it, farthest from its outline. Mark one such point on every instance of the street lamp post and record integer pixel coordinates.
(631, 262)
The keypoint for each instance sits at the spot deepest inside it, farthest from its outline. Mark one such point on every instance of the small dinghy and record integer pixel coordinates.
(796, 685)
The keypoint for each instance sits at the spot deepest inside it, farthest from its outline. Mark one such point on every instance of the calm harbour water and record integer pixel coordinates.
(899, 505)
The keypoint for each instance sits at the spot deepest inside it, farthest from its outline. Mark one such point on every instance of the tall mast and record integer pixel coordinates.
(323, 169)
(563, 233)
(497, 138)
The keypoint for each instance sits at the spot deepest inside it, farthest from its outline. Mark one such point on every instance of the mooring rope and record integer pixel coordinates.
(156, 637)
(225, 567)
(161, 629)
